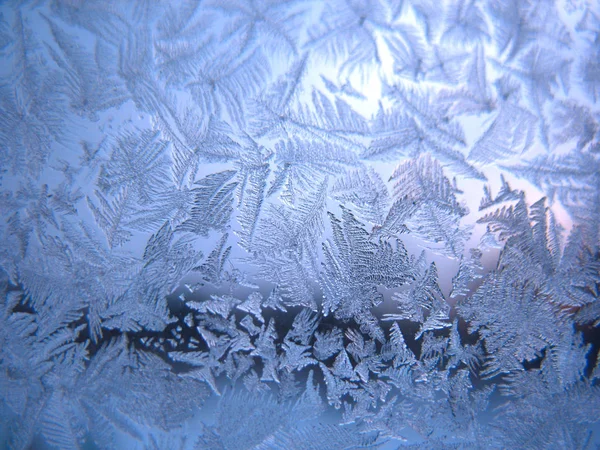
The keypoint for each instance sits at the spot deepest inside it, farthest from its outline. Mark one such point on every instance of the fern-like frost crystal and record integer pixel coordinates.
(231, 224)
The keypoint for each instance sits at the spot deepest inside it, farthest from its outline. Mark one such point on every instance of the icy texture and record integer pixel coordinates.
(232, 224)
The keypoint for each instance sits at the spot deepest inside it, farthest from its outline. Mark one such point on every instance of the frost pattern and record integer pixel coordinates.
(299, 224)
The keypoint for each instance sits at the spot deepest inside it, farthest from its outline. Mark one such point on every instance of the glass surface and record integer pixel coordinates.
(232, 224)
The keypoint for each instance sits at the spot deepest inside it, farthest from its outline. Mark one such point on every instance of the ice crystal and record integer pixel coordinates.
(263, 224)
